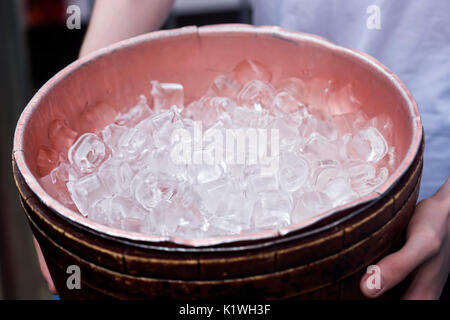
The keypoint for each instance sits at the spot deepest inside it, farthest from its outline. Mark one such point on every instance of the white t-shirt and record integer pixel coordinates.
(411, 37)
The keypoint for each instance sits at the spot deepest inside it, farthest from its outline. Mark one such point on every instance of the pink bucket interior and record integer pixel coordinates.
(194, 57)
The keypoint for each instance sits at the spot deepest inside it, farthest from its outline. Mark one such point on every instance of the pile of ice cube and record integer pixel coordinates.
(123, 174)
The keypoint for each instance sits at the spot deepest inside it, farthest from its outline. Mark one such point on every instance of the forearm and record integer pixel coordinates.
(116, 20)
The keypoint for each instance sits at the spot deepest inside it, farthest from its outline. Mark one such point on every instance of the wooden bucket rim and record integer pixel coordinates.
(268, 31)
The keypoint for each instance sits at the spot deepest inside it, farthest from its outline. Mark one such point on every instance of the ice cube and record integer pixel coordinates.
(163, 119)
(272, 210)
(221, 104)
(384, 124)
(360, 171)
(369, 183)
(339, 191)
(120, 208)
(86, 192)
(318, 147)
(224, 226)
(135, 115)
(118, 212)
(208, 173)
(213, 191)
(168, 186)
(349, 122)
(179, 220)
(163, 223)
(132, 217)
(288, 130)
(318, 92)
(60, 175)
(116, 176)
(293, 173)
(310, 204)
(342, 99)
(145, 189)
(111, 135)
(186, 196)
(61, 136)
(235, 209)
(259, 183)
(55, 185)
(101, 212)
(225, 118)
(313, 125)
(88, 153)
(256, 95)
(324, 175)
(47, 159)
(95, 117)
(391, 158)
(160, 160)
(264, 119)
(285, 102)
(225, 86)
(162, 137)
(166, 95)
(248, 70)
(133, 143)
(210, 107)
(245, 117)
(295, 87)
(368, 144)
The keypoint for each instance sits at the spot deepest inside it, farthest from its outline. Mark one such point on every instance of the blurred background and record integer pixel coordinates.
(36, 44)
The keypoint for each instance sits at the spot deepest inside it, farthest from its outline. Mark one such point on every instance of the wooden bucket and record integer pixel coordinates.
(320, 259)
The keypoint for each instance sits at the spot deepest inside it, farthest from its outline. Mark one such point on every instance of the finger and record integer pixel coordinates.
(397, 266)
(429, 280)
(426, 284)
(44, 269)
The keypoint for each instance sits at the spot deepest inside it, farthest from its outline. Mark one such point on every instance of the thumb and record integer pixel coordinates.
(395, 267)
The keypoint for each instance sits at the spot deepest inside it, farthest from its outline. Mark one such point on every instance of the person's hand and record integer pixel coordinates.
(425, 255)
(44, 268)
